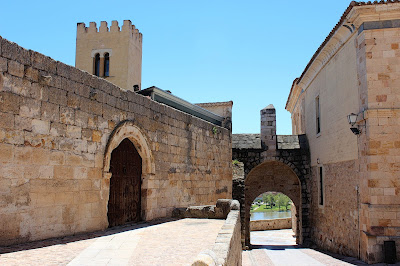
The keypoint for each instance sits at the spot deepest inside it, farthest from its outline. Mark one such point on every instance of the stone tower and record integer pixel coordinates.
(268, 127)
(112, 53)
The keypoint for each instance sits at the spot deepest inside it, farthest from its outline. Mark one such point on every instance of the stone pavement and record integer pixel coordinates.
(175, 242)
(278, 247)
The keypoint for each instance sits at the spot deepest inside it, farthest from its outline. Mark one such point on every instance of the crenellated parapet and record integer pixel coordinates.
(127, 27)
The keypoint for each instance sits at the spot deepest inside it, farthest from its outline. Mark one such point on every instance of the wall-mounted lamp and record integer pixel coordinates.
(352, 118)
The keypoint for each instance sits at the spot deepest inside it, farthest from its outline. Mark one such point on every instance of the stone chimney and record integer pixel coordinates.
(268, 128)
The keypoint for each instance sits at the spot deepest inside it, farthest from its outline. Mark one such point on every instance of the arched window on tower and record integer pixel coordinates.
(106, 65)
(97, 64)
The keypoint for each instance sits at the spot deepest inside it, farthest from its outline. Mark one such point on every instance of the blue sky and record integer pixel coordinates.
(203, 51)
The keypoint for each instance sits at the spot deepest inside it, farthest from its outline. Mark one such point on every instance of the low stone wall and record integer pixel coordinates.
(273, 224)
(218, 211)
(227, 249)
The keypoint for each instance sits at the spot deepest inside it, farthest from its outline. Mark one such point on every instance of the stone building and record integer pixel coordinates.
(355, 177)
(78, 153)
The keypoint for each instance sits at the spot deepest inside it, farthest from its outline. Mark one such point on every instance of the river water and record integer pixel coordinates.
(269, 215)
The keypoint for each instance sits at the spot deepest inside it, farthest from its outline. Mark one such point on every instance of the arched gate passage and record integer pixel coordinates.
(290, 158)
(272, 176)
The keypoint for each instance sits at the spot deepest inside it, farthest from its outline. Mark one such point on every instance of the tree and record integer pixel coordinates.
(270, 199)
(280, 200)
(283, 201)
(286, 201)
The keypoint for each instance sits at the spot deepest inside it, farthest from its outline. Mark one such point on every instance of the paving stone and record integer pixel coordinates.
(166, 242)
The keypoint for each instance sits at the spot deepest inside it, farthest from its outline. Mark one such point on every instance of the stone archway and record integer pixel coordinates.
(272, 176)
(128, 130)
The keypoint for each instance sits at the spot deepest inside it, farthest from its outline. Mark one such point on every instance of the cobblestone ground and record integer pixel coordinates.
(278, 247)
(166, 243)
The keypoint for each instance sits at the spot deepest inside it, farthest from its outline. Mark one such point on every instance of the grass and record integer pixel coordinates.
(264, 208)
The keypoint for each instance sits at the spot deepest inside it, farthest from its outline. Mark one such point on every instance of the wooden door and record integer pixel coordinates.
(126, 168)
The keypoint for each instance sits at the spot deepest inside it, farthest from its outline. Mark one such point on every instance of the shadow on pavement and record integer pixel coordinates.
(274, 247)
(81, 236)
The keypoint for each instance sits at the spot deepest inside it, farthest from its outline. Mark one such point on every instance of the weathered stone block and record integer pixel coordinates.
(83, 90)
(66, 144)
(9, 102)
(3, 64)
(57, 158)
(40, 127)
(95, 108)
(43, 62)
(57, 96)
(74, 132)
(63, 172)
(32, 74)
(6, 120)
(87, 134)
(30, 108)
(6, 153)
(81, 119)
(96, 136)
(41, 157)
(73, 100)
(50, 111)
(58, 129)
(16, 69)
(67, 115)
(15, 52)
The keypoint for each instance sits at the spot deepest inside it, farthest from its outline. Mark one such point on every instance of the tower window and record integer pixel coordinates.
(97, 65)
(106, 64)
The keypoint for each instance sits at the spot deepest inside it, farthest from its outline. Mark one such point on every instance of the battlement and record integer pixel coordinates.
(126, 27)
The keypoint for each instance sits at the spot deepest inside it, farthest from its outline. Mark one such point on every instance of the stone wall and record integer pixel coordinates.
(58, 127)
(272, 224)
(335, 223)
(379, 56)
(227, 250)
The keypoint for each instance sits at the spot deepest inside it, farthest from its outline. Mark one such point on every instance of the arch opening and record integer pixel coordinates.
(106, 65)
(124, 204)
(96, 65)
(129, 134)
(273, 176)
(272, 215)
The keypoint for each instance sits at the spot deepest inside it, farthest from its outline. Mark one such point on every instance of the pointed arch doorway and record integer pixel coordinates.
(124, 203)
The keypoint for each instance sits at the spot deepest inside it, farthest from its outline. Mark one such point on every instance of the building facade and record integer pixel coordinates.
(79, 154)
(355, 178)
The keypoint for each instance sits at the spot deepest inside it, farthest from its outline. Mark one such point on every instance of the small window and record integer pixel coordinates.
(318, 115)
(97, 65)
(106, 65)
(321, 186)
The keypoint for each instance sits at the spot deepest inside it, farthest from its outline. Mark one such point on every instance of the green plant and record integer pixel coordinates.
(235, 162)
(214, 130)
